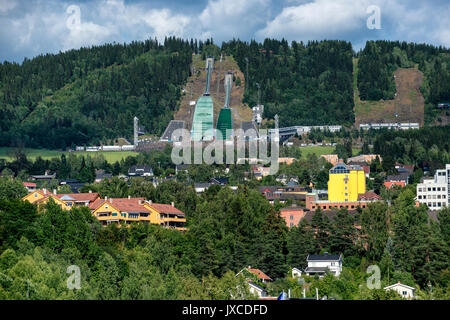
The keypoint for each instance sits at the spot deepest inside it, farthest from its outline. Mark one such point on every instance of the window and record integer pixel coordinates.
(292, 217)
(291, 224)
(405, 293)
(420, 197)
(35, 195)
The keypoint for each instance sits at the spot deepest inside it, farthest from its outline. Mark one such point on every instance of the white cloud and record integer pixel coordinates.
(7, 5)
(233, 18)
(318, 19)
(31, 27)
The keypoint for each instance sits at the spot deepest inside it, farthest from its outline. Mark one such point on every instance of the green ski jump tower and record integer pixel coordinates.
(225, 120)
(203, 120)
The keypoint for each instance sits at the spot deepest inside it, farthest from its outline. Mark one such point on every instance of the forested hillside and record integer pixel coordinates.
(379, 59)
(304, 84)
(92, 94)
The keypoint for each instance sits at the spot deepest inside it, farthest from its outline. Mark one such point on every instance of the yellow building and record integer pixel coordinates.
(65, 201)
(41, 197)
(345, 183)
(128, 210)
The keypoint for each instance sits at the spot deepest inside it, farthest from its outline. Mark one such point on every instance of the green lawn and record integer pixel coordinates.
(110, 156)
(319, 150)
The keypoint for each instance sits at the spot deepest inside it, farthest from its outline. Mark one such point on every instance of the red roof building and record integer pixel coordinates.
(390, 184)
(261, 275)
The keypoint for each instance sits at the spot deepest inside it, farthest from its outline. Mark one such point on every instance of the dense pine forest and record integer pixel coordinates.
(379, 59)
(92, 94)
(227, 232)
(305, 84)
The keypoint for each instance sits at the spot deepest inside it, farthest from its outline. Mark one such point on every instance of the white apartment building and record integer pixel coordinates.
(435, 192)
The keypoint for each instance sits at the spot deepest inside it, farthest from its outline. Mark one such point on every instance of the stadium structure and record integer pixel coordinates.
(203, 119)
(225, 121)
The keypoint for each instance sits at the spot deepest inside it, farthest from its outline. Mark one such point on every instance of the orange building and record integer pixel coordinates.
(331, 158)
(312, 202)
(293, 215)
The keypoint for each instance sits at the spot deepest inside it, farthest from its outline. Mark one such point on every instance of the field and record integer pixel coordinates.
(319, 150)
(408, 105)
(110, 156)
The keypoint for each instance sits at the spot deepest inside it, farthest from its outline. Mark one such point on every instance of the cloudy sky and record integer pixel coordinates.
(31, 27)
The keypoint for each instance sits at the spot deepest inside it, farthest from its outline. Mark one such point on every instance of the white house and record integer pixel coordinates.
(434, 192)
(321, 263)
(296, 273)
(404, 290)
(255, 289)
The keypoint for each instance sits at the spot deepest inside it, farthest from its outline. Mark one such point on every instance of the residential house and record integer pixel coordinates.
(66, 201)
(201, 187)
(219, 181)
(368, 158)
(320, 264)
(297, 272)
(128, 210)
(74, 184)
(140, 171)
(283, 193)
(181, 168)
(101, 175)
(166, 215)
(259, 171)
(44, 177)
(391, 184)
(331, 158)
(398, 178)
(287, 161)
(30, 186)
(264, 278)
(115, 210)
(257, 290)
(402, 289)
(41, 197)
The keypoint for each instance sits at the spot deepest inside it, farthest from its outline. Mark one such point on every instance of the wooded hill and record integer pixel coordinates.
(90, 95)
(379, 59)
